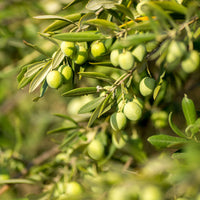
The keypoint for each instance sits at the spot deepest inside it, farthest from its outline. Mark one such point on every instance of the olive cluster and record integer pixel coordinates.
(177, 53)
(56, 78)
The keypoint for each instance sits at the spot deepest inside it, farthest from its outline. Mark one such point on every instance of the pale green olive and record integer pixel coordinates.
(98, 49)
(147, 86)
(139, 52)
(114, 57)
(74, 189)
(126, 60)
(132, 111)
(67, 48)
(95, 149)
(118, 121)
(191, 62)
(67, 73)
(54, 79)
(82, 55)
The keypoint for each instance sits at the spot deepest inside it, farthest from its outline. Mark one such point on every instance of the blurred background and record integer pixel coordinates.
(23, 123)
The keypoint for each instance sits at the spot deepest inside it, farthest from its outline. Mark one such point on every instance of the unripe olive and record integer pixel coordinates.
(126, 60)
(132, 111)
(67, 73)
(176, 50)
(191, 62)
(67, 48)
(119, 139)
(114, 57)
(95, 149)
(139, 52)
(147, 86)
(98, 49)
(151, 193)
(81, 56)
(118, 121)
(159, 119)
(73, 189)
(54, 79)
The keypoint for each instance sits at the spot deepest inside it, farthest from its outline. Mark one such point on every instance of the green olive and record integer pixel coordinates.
(132, 111)
(139, 101)
(147, 86)
(126, 60)
(67, 48)
(114, 57)
(67, 73)
(98, 49)
(82, 55)
(95, 149)
(159, 119)
(191, 62)
(118, 121)
(54, 79)
(151, 193)
(73, 189)
(119, 139)
(139, 52)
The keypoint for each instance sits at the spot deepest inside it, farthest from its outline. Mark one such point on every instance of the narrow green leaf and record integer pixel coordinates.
(70, 137)
(40, 76)
(66, 117)
(58, 24)
(61, 129)
(133, 40)
(42, 91)
(85, 18)
(58, 58)
(166, 141)
(102, 23)
(80, 91)
(105, 104)
(80, 36)
(174, 127)
(20, 76)
(47, 37)
(96, 4)
(35, 47)
(124, 10)
(94, 115)
(34, 68)
(17, 181)
(88, 107)
(98, 75)
(25, 81)
(172, 6)
(53, 17)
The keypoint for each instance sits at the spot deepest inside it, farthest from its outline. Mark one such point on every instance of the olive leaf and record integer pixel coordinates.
(80, 91)
(40, 76)
(59, 24)
(85, 36)
(166, 141)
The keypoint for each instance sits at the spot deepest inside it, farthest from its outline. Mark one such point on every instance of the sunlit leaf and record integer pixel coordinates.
(40, 76)
(58, 24)
(58, 58)
(34, 68)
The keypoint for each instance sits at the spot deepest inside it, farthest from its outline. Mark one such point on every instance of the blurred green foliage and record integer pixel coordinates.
(40, 153)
